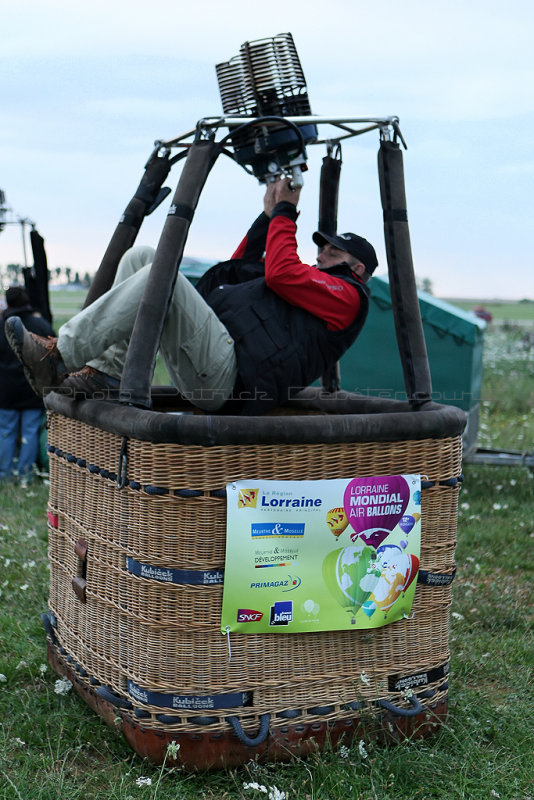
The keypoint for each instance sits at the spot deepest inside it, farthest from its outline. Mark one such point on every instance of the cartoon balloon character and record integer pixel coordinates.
(337, 521)
(397, 571)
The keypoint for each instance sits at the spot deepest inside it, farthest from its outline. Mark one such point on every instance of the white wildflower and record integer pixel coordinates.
(3, 678)
(7, 562)
(31, 533)
(42, 668)
(497, 506)
(24, 587)
(344, 751)
(172, 749)
(464, 506)
(513, 482)
(276, 794)
(493, 793)
(361, 748)
(19, 741)
(457, 616)
(255, 785)
(144, 781)
(29, 564)
(21, 664)
(62, 686)
(364, 677)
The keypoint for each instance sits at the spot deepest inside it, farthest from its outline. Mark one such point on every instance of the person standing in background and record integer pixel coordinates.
(21, 411)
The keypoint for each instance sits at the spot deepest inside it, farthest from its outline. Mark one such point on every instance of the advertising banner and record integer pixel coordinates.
(320, 555)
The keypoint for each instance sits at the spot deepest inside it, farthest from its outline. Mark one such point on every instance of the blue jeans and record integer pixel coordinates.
(19, 428)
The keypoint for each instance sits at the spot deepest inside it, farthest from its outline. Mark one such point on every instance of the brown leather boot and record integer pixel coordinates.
(43, 366)
(88, 383)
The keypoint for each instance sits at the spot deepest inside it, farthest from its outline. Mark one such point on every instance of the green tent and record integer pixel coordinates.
(454, 340)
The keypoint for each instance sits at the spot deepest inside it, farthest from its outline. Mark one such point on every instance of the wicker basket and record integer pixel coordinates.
(117, 635)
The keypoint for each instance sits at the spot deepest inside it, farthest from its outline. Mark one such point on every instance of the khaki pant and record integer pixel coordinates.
(195, 346)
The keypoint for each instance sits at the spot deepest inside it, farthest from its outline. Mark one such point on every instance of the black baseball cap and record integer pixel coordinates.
(356, 245)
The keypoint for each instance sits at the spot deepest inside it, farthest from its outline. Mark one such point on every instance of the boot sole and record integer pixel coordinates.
(14, 332)
(15, 337)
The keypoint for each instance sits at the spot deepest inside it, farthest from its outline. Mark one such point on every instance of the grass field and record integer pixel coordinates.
(53, 747)
(513, 312)
(65, 303)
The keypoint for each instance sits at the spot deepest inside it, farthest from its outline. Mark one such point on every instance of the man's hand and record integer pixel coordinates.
(268, 201)
(279, 191)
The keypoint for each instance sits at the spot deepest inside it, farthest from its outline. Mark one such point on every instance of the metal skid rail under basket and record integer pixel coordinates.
(137, 508)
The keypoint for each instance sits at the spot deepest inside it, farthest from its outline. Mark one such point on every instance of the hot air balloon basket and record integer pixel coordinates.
(137, 532)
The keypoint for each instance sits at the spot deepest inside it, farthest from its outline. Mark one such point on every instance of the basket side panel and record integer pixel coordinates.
(166, 637)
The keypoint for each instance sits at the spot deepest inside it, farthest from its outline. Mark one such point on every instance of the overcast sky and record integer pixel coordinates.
(86, 89)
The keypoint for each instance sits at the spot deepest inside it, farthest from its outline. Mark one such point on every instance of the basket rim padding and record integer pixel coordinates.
(314, 417)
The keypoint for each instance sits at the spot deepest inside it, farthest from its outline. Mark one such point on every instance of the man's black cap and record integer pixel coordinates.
(357, 246)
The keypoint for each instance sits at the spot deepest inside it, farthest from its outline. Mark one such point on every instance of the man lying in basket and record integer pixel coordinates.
(249, 336)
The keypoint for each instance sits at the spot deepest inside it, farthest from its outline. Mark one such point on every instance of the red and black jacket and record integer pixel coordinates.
(281, 347)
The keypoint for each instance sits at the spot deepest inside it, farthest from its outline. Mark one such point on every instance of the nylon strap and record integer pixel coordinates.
(189, 701)
(435, 578)
(169, 575)
(129, 218)
(397, 683)
(181, 210)
(395, 215)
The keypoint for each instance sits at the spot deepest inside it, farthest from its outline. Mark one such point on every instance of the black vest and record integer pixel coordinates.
(280, 348)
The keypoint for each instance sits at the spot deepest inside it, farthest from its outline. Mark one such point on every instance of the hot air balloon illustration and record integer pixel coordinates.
(406, 523)
(350, 576)
(337, 521)
(375, 505)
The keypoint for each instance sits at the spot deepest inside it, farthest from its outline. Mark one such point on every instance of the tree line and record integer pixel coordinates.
(13, 274)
